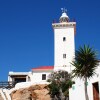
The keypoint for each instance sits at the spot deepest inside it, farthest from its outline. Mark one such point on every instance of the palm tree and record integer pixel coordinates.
(85, 64)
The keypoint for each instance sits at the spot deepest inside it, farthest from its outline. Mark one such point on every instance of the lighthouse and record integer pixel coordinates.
(64, 45)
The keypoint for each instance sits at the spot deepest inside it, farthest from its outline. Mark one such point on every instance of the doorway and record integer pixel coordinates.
(18, 80)
(95, 91)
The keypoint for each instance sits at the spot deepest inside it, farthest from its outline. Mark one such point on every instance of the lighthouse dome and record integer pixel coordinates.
(64, 17)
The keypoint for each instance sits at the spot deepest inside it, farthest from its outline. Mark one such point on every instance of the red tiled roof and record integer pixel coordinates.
(44, 68)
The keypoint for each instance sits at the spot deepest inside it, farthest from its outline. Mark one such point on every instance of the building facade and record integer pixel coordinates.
(36, 75)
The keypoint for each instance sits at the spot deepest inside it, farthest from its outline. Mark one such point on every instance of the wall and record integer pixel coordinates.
(37, 76)
(63, 47)
(77, 91)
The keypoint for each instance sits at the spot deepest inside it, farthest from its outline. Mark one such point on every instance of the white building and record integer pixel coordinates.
(64, 49)
(36, 75)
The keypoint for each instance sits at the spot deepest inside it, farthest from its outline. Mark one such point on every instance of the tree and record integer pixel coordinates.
(60, 82)
(85, 64)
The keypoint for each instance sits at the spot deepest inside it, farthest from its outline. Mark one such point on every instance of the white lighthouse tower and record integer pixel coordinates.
(64, 48)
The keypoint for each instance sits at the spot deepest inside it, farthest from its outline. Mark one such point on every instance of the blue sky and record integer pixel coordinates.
(26, 34)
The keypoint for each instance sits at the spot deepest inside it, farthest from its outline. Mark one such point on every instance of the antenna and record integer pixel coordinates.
(64, 10)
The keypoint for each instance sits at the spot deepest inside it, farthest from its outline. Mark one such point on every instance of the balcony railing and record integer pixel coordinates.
(5, 84)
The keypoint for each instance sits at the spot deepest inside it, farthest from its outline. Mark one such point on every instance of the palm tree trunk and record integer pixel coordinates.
(85, 85)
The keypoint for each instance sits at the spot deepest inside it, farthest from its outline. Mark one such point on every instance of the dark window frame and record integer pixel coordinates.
(64, 55)
(43, 76)
(64, 38)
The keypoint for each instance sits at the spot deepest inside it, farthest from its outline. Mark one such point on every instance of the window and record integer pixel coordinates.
(64, 55)
(64, 38)
(64, 65)
(43, 76)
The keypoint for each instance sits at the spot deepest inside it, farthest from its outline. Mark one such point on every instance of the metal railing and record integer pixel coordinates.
(5, 84)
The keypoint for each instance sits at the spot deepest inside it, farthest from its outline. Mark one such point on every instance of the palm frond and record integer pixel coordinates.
(85, 62)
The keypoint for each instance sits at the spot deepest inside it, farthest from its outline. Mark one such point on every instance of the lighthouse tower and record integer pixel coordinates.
(64, 48)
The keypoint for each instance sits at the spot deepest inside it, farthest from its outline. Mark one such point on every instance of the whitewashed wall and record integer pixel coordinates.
(63, 47)
(78, 93)
(37, 76)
